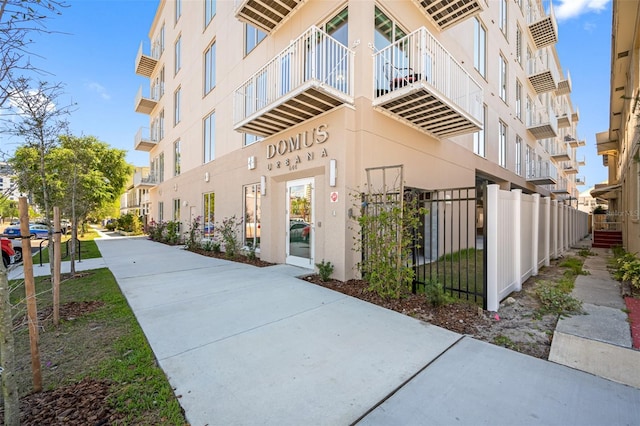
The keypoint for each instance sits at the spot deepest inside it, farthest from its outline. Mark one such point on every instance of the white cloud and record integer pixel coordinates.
(567, 9)
(99, 89)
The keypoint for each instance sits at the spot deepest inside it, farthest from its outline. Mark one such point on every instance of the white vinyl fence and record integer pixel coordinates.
(524, 232)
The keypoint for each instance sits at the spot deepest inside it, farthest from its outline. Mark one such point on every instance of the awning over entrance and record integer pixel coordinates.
(606, 191)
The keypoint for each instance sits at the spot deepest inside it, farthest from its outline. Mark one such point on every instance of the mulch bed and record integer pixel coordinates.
(238, 258)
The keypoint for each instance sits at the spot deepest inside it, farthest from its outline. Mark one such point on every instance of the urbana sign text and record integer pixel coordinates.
(292, 146)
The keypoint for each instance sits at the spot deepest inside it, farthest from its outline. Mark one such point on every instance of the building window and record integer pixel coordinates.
(252, 37)
(519, 44)
(208, 220)
(480, 47)
(502, 20)
(161, 167)
(502, 144)
(160, 211)
(479, 143)
(178, 63)
(387, 31)
(161, 125)
(252, 215)
(519, 100)
(209, 132)
(176, 158)
(530, 159)
(176, 209)
(177, 95)
(178, 9)
(503, 78)
(210, 68)
(209, 11)
(250, 139)
(518, 155)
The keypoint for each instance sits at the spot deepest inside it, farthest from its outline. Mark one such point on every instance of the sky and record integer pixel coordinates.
(95, 42)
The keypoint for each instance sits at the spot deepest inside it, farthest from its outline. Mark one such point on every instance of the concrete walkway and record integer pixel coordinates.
(598, 342)
(243, 345)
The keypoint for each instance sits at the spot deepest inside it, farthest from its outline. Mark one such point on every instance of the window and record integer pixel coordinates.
(158, 44)
(250, 139)
(502, 144)
(252, 215)
(209, 11)
(207, 213)
(178, 9)
(161, 167)
(210, 68)
(518, 155)
(157, 86)
(209, 140)
(160, 212)
(176, 209)
(519, 44)
(387, 31)
(161, 125)
(252, 37)
(502, 20)
(176, 158)
(479, 47)
(519, 100)
(530, 160)
(177, 55)
(502, 83)
(479, 143)
(176, 106)
(529, 110)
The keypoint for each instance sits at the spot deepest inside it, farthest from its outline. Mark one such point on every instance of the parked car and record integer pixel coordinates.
(299, 231)
(17, 247)
(8, 254)
(36, 231)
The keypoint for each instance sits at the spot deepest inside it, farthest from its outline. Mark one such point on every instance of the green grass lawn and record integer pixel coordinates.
(105, 342)
(88, 248)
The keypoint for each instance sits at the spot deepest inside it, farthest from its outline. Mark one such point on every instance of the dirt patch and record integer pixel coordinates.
(517, 325)
(238, 258)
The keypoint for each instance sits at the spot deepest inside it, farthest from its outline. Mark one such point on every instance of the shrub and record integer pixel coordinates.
(436, 295)
(157, 230)
(628, 270)
(251, 251)
(230, 235)
(556, 301)
(172, 234)
(129, 223)
(325, 269)
(215, 247)
(207, 245)
(193, 236)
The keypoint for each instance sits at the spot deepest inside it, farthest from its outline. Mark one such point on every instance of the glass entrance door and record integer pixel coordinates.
(300, 225)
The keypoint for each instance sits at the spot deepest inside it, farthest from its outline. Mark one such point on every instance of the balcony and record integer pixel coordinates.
(542, 27)
(144, 141)
(310, 77)
(542, 173)
(582, 162)
(145, 105)
(266, 15)
(419, 83)
(446, 13)
(144, 181)
(542, 72)
(542, 123)
(564, 85)
(570, 168)
(580, 180)
(558, 150)
(561, 187)
(145, 64)
(572, 141)
(575, 116)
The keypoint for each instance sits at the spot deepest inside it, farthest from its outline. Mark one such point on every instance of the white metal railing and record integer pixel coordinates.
(562, 184)
(535, 14)
(420, 57)
(139, 178)
(537, 169)
(581, 180)
(144, 134)
(540, 115)
(563, 108)
(313, 56)
(543, 61)
(556, 146)
(153, 95)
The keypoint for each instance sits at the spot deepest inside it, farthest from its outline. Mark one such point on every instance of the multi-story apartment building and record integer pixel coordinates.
(136, 199)
(619, 144)
(280, 112)
(8, 185)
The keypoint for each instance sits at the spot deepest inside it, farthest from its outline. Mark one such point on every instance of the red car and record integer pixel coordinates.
(8, 254)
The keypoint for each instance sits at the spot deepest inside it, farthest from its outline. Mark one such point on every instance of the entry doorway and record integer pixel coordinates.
(300, 223)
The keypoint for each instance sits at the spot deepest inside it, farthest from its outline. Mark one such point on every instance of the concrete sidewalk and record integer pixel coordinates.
(598, 342)
(243, 345)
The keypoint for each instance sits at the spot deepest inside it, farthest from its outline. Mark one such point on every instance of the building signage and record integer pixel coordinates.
(288, 153)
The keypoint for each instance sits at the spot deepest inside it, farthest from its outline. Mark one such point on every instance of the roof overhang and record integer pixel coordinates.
(606, 192)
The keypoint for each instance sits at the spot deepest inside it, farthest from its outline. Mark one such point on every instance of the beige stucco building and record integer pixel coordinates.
(619, 144)
(274, 111)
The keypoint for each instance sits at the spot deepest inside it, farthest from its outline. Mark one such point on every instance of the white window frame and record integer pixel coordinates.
(502, 19)
(177, 48)
(178, 9)
(479, 140)
(502, 144)
(177, 101)
(252, 38)
(176, 158)
(209, 137)
(518, 100)
(209, 11)
(480, 47)
(502, 77)
(518, 165)
(210, 68)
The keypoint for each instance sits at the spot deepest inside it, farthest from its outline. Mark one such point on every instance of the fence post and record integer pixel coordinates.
(491, 222)
(560, 228)
(517, 233)
(547, 231)
(535, 231)
(554, 230)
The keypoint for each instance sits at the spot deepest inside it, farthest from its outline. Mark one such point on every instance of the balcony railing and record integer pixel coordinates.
(145, 64)
(144, 104)
(418, 82)
(446, 13)
(575, 116)
(311, 76)
(542, 72)
(266, 15)
(564, 85)
(571, 140)
(582, 161)
(542, 122)
(570, 168)
(144, 141)
(563, 112)
(580, 180)
(542, 172)
(149, 180)
(561, 187)
(542, 27)
(557, 149)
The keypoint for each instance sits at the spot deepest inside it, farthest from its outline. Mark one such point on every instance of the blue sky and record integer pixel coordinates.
(95, 60)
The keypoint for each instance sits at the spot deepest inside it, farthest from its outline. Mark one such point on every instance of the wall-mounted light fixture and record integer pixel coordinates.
(251, 162)
(263, 185)
(206, 176)
(332, 172)
(175, 186)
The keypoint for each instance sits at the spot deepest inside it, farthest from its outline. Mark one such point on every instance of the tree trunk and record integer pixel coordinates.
(7, 355)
